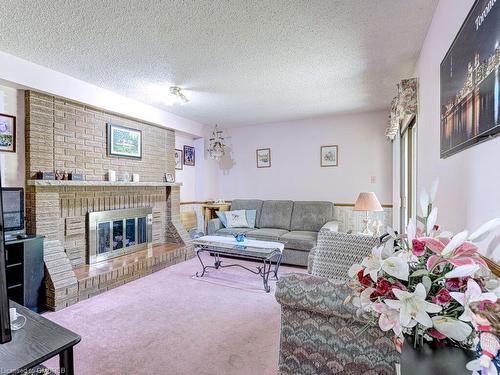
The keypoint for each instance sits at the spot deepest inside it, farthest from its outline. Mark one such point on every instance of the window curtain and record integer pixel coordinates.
(403, 106)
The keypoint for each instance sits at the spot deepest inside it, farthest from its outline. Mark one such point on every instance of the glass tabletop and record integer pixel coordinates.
(238, 249)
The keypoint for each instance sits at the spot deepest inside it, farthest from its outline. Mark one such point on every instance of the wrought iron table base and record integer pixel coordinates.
(263, 271)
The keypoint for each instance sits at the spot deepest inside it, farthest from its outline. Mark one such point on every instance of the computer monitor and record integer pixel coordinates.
(13, 210)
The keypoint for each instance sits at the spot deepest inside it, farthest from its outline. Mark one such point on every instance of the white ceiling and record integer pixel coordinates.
(242, 62)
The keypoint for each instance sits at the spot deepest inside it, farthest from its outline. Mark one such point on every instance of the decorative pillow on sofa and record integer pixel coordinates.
(250, 215)
(236, 219)
(222, 217)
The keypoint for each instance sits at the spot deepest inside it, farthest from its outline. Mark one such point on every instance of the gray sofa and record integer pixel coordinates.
(295, 223)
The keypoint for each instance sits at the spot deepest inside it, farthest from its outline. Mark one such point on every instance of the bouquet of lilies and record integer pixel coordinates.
(421, 284)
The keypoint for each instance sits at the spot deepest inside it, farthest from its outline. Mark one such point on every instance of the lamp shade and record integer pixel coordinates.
(367, 202)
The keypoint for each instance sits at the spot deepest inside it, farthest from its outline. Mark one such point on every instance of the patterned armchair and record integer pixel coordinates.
(321, 335)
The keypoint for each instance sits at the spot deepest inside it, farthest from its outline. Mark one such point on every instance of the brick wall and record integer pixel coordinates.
(66, 135)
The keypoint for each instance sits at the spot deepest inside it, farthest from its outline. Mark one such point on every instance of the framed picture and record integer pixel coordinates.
(263, 158)
(124, 142)
(469, 81)
(189, 157)
(169, 177)
(329, 156)
(7, 133)
(178, 159)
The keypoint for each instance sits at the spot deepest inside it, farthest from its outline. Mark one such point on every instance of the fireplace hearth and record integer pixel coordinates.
(115, 233)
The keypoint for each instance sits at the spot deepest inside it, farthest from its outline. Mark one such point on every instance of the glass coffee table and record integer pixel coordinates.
(269, 253)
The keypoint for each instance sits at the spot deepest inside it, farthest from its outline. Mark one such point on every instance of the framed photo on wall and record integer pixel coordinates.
(178, 159)
(263, 158)
(469, 81)
(124, 142)
(7, 133)
(329, 156)
(189, 156)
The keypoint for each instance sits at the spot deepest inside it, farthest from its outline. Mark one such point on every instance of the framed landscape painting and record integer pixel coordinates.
(264, 158)
(178, 159)
(189, 157)
(329, 156)
(125, 142)
(7, 133)
(470, 81)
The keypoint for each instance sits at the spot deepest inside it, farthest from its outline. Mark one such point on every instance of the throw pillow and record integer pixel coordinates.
(222, 217)
(236, 219)
(251, 214)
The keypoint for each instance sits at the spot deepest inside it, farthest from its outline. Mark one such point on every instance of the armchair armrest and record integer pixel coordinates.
(315, 294)
(214, 225)
(332, 226)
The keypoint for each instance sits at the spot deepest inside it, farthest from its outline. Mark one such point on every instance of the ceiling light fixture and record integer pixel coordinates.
(176, 96)
(216, 148)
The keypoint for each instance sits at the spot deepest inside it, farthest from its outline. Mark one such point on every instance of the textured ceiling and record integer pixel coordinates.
(242, 62)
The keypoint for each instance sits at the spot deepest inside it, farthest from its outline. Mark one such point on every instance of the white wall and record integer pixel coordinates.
(295, 157)
(187, 175)
(12, 165)
(470, 180)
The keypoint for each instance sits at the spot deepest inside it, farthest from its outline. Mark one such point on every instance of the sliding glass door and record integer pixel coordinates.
(408, 170)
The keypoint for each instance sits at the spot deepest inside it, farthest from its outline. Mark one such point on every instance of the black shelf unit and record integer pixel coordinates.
(25, 272)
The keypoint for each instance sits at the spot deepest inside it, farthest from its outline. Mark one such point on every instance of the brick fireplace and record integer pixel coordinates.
(64, 135)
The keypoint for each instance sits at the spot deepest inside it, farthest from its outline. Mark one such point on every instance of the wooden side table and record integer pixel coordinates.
(39, 340)
(209, 211)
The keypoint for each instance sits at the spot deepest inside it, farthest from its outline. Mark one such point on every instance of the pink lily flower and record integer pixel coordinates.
(456, 251)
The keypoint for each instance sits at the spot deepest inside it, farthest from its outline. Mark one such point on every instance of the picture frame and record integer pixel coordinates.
(7, 133)
(469, 95)
(178, 159)
(169, 177)
(263, 157)
(329, 156)
(189, 156)
(124, 141)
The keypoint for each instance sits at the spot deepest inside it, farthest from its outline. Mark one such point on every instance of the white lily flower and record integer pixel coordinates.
(397, 267)
(411, 231)
(364, 299)
(424, 203)
(434, 189)
(389, 318)
(482, 232)
(413, 308)
(373, 263)
(431, 220)
(391, 232)
(457, 240)
(354, 269)
(452, 328)
(472, 294)
(466, 270)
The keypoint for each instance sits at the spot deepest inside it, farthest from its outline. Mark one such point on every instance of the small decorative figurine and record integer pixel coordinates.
(486, 319)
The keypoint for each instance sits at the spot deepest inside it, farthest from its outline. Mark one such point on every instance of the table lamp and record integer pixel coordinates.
(367, 202)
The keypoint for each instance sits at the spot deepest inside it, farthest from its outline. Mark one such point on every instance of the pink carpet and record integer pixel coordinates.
(171, 323)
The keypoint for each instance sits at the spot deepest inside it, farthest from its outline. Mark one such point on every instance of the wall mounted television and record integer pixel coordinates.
(13, 211)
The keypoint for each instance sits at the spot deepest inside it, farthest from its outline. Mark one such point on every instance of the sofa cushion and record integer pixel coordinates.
(232, 231)
(266, 234)
(300, 240)
(310, 216)
(276, 214)
(248, 204)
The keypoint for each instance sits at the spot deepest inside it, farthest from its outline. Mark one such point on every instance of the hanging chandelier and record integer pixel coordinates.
(216, 147)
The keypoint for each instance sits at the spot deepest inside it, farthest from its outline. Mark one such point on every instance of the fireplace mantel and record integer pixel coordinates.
(51, 183)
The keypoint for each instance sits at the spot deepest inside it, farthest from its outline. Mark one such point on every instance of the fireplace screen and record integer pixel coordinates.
(117, 232)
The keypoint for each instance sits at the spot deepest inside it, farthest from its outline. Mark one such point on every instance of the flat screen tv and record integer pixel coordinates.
(5, 335)
(13, 210)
